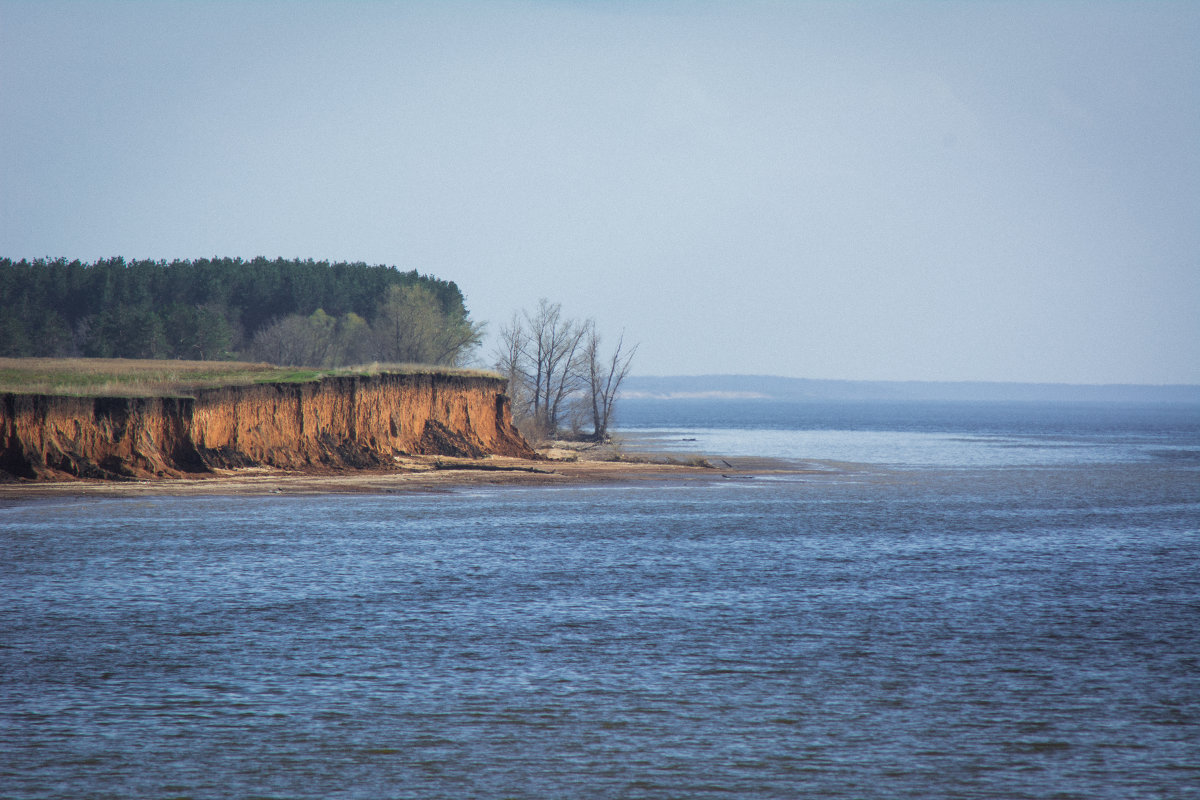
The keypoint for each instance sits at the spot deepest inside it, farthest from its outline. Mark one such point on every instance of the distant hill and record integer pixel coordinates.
(770, 387)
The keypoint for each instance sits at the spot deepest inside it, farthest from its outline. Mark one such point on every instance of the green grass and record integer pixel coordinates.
(121, 377)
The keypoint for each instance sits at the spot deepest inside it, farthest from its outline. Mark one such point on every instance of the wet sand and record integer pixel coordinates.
(561, 465)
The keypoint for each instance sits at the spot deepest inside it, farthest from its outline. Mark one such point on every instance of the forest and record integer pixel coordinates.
(302, 312)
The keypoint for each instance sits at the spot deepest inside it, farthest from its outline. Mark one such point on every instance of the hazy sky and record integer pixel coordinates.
(890, 190)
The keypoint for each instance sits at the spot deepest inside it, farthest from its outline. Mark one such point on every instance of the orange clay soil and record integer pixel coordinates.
(335, 423)
(369, 433)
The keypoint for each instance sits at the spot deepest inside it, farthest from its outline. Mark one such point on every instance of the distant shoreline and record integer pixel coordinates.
(709, 388)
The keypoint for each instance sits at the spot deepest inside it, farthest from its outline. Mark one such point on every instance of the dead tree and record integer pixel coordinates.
(604, 377)
(541, 354)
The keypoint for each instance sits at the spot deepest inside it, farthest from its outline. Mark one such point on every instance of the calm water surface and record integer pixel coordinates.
(974, 607)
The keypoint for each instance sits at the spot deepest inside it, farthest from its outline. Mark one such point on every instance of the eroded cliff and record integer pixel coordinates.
(334, 423)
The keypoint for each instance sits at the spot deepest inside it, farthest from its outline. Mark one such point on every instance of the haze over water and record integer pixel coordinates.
(997, 604)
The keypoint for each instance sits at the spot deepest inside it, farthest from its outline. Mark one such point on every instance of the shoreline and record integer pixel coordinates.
(562, 464)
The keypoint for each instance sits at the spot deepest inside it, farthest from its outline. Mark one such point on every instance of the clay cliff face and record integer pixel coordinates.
(359, 422)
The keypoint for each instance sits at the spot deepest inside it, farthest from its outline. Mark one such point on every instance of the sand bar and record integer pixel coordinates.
(562, 464)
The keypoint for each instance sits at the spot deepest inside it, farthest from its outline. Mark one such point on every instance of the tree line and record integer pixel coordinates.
(559, 375)
(301, 312)
(306, 313)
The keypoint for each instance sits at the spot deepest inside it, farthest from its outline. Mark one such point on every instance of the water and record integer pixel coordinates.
(924, 434)
(1001, 603)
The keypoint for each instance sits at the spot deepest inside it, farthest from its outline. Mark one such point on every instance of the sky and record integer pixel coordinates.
(1000, 191)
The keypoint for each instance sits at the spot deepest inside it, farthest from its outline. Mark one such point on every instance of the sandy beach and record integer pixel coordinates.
(561, 463)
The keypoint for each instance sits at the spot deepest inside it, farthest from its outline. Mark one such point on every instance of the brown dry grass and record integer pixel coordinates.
(124, 377)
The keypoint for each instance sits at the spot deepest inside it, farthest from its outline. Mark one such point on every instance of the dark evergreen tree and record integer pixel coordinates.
(201, 309)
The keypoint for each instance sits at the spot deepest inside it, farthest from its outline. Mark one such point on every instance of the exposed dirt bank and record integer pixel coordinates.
(364, 422)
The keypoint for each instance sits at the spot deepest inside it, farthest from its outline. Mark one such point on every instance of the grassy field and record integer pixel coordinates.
(121, 377)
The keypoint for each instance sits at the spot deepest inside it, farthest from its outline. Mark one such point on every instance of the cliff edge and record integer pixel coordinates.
(334, 423)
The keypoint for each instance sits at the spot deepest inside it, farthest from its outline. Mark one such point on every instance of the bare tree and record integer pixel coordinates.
(541, 354)
(510, 363)
(296, 340)
(604, 377)
(317, 340)
(555, 368)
